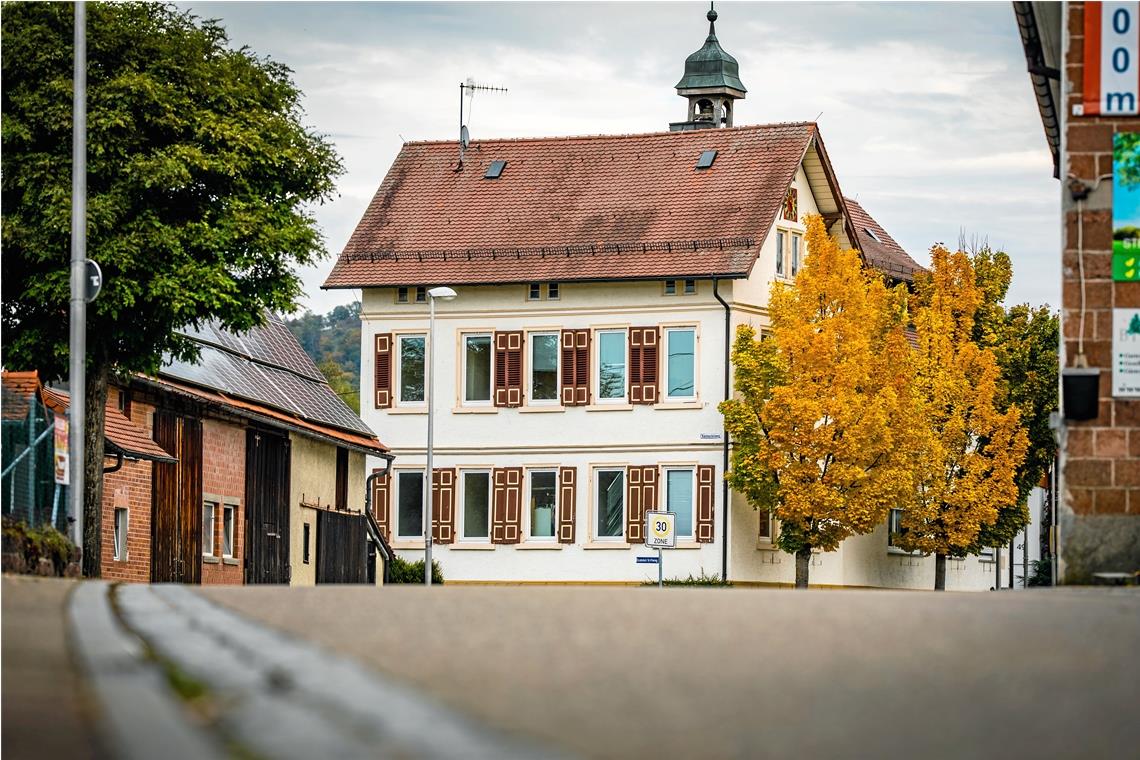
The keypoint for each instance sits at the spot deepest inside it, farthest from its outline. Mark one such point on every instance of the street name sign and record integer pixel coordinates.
(660, 530)
(647, 560)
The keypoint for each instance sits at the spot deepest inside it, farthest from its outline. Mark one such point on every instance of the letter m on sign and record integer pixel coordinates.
(1112, 59)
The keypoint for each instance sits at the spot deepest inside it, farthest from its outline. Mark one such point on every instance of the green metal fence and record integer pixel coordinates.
(27, 452)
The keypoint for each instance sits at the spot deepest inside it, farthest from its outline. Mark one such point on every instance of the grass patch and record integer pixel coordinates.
(699, 580)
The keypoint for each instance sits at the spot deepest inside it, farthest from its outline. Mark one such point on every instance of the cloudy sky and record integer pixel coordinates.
(926, 108)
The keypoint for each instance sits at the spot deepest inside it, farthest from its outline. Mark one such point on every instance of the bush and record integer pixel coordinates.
(402, 571)
(32, 544)
(700, 580)
(1042, 573)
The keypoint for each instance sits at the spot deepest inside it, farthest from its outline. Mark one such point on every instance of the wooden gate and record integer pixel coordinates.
(341, 548)
(267, 507)
(176, 516)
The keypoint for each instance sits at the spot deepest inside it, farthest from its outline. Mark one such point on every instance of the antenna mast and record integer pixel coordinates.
(469, 87)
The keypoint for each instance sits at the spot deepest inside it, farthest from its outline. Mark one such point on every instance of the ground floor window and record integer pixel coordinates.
(543, 503)
(766, 526)
(410, 500)
(121, 519)
(679, 499)
(476, 507)
(209, 510)
(228, 513)
(894, 526)
(610, 503)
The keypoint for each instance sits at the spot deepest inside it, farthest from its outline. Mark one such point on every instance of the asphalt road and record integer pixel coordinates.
(643, 672)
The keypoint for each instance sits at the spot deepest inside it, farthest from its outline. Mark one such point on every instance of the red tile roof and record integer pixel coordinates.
(575, 208)
(18, 390)
(880, 249)
(119, 431)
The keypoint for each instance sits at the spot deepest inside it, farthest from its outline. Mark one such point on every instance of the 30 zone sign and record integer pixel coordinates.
(660, 532)
(1112, 59)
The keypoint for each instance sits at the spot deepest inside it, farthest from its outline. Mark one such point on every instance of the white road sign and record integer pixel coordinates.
(660, 530)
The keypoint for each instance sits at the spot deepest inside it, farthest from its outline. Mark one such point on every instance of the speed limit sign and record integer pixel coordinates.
(660, 530)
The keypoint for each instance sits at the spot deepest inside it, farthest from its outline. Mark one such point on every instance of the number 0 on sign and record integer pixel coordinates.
(660, 530)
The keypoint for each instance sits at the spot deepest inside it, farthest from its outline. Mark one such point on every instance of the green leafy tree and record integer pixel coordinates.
(201, 178)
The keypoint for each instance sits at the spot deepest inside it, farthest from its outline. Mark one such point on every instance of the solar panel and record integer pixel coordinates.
(495, 169)
(706, 159)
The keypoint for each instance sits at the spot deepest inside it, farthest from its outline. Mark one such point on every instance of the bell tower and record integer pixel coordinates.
(711, 84)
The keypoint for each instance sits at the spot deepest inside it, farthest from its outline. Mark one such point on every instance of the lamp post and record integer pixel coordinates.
(443, 294)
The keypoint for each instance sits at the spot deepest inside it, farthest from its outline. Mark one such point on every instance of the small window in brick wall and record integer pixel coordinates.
(305, 543)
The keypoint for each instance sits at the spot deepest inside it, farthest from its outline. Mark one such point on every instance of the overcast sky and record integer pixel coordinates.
(927, 111)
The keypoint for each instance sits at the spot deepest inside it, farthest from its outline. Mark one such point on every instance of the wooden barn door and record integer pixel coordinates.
(176, 515)
(341, 548)
(267, 507)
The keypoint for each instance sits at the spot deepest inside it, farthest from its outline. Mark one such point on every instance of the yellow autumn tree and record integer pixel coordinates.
(967, 471)
(822, 422)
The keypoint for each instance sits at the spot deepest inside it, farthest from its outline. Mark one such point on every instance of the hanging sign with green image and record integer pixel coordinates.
(1126, 206)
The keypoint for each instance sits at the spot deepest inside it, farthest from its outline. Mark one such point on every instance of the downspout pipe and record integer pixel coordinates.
(724, 471)
(368, 509)
(118, 465)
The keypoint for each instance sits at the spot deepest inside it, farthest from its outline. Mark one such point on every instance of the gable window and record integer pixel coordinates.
(543, 367)
(780, 252)
(796, 239)
(690, 287)
(410, 504)
(543, 504)
(229, 512)
(679, 499)
(680, 369)
(477, 369)
(401, 295)
(121, 522)
(670, 287)
(411, 371)
(609, 505)
(611, 365)
(476, 508)
(209, 509)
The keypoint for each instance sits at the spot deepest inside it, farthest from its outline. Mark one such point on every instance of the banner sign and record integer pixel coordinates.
(1126, 353)
(1112, 59)
(62, 460)
(1126, 206)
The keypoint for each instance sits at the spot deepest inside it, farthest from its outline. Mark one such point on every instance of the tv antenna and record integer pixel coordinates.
(469, 88)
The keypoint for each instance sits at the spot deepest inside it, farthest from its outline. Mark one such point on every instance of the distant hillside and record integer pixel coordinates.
(333, 342)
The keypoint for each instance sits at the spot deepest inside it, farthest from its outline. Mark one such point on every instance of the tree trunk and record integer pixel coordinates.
(95, 406)
(803, 564)
(939, 572)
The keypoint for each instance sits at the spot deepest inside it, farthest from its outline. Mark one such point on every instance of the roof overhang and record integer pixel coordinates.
(1040, 27)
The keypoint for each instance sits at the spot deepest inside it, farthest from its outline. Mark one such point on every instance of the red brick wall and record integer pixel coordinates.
(129, 487)
(223, 479)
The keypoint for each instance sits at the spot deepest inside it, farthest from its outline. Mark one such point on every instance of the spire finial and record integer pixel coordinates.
(711, 16)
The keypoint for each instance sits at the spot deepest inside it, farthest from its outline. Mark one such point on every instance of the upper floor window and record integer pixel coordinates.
(410, 504)
(543, 367)
(611, 365)
(121, 521)
(543, 504)
(679, 499)
(229, 511)
(609, 506)
(680, 366)
(780, 237)
(894, 526)
(673, 287)
(477, 357)
(402, 294)
(411, 368)
(796, 240)
(209, 510)
(690, 287)
(670, 287)
(553, 291)
(535, 289)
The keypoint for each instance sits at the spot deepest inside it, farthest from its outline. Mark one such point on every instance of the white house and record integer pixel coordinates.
(599, 281)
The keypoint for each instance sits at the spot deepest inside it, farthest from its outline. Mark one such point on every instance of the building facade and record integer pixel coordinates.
(600, 282)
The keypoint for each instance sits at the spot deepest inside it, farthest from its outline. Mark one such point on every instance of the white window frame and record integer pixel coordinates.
(121, 533)
(461, 505)
(797, 253)
(463, 400)
(402, 295)
(527, 526)
(400, 536)
(681, 328)
(534, 291)
(529, 361)
(399, 367)
(597, 379)
(595, 507)
(685, 287)
(213, 508)
(421, 294)
(669, 287)
(553, 291)
(771, 537)
(781, 236)
(232, 509)
(692, 471)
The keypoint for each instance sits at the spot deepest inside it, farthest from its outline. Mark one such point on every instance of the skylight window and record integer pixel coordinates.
(706, 159)
(495, 170)
(871, 232)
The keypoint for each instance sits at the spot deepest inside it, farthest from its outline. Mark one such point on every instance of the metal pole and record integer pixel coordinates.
(1012, 560)
(431, 405)
(78, 349)
(660, 571)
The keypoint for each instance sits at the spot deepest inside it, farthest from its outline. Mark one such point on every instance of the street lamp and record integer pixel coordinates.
(443, 294)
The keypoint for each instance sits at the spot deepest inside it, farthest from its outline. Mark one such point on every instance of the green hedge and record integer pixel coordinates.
(402, 571)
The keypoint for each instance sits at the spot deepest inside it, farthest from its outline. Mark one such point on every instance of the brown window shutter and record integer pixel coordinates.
(706, 498)
(643, 364)
(567, 499)
(381, 509)
(641, 497)
(575, 367)
(508, 368)
(506, 514)
(443, 506)
(383, 369)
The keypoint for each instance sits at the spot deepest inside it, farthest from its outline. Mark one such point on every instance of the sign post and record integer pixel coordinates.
(660, 533)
